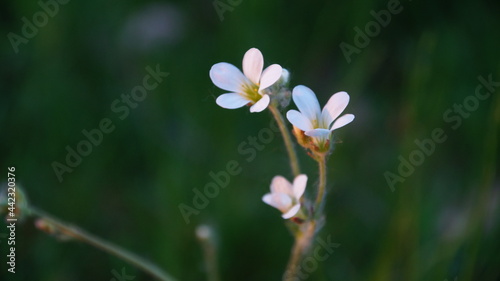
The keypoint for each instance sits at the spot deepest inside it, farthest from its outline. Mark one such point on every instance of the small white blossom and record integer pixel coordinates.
(316, 122)
(286, 197)
(247, 88)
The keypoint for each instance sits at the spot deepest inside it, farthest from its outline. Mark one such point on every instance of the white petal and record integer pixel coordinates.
(335, 105)
(261, 104)
(227, 77)
(253, 62)
(231, 101)
(318, 133)
(292, 212)
(299, 186)
(283, 200)
(306, 102)
(279, 201)
(270, 75)
(281, 185)
(342, 121)
(299, 120)
(268, 199)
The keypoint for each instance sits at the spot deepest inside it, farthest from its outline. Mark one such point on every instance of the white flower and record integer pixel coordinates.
(248, 88)
(314, 122)
(286, 197)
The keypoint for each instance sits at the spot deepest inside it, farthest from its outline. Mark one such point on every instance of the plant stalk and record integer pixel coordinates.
(303, 241)
(292, 155)
(76, 233)
(322, 184)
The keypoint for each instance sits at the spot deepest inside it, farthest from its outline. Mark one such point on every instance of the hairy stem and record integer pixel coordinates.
(303, 241)
(304, 238)
(292, 155)
(76, 233)
(322, 184)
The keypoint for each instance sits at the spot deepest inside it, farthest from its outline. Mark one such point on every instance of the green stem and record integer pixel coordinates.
(305, 236)
(294, 162)
(206, 237)
(322, 184)
(302, 243)
(211, 262)
(105, 246)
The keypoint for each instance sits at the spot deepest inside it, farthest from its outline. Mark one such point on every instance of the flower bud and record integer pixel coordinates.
(52, 229)
(45, 226)
(13, 202)
(204, 232)
(284, 79)
(283, 97)
(279, 92)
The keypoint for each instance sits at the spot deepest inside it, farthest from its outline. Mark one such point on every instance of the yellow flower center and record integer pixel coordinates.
(315, 123)
(251, 92)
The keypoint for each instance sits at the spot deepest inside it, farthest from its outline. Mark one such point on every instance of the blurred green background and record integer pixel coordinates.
(441, 223)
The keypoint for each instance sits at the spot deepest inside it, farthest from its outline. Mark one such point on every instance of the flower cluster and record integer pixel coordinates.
(261, 88)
